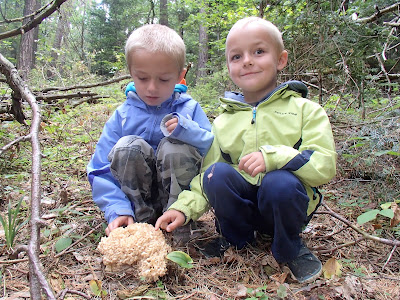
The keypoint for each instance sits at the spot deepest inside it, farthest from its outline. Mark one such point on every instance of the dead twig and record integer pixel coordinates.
(62, 294)
(107, 82)
(365, 235)
(16, 141)
(389, 258)
(340, 246)
(37, 280)
(82, 238)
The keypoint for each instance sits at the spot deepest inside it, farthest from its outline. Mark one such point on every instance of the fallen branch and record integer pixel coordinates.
(78, 241)
(62, 294)
(37, 280)
(365, 235)
(340, 246)
(16, 141)
(107, 82)
(51, 98)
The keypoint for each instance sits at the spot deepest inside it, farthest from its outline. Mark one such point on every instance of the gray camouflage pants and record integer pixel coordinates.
(153, 181)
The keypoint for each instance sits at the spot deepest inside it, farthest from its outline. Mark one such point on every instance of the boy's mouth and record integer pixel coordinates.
(249, 74)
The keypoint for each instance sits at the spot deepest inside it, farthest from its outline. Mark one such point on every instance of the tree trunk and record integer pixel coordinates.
(203, 50)
(263, 5)
(182, 16)
(164, 12)
(59, 38)
(151, 14)
(28, 44)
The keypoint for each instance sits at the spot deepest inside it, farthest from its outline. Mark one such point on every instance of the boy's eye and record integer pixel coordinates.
(164, 80)
(260, 51)
(235, 57)
(142, 78)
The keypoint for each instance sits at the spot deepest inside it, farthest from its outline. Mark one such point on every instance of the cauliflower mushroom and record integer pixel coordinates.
(137, 245)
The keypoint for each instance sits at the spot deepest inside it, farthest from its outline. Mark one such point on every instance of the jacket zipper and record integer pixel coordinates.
(253, 120)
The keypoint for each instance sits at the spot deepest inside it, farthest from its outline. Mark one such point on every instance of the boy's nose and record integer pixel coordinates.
(247, 60)
(152, 86)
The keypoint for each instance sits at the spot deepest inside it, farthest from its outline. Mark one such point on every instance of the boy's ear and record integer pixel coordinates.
(182, 75)
(282, 60)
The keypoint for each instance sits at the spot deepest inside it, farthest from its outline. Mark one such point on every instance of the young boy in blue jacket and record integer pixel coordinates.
(152, 145)
(272, 148)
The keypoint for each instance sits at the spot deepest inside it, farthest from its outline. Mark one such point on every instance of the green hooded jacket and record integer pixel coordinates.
(292, 132)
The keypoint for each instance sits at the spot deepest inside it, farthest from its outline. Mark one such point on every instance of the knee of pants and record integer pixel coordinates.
(168, 146)
(217, 173)
(281, 188)
(223, 184)
(126, 144)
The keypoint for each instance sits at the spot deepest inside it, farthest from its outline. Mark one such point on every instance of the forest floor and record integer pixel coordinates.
(369, 269)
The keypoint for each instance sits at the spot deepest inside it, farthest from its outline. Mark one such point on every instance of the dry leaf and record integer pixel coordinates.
(79, 257)
(242, 291)
(19, 295)
(56, 282)
(280, 278)
(396, 217)
(332, 268)
(139, 291)
(64, 196)
(270, 261)
(212, 261)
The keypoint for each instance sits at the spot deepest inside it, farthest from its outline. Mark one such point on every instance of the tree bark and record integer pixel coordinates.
(164, 12)
(27, 45)
(59, 38)
(261, 11)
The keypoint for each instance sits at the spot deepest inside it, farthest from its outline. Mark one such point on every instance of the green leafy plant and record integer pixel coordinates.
(371, 215)
(181, 258)
(258, 293)
(12, 224)
(97, 289)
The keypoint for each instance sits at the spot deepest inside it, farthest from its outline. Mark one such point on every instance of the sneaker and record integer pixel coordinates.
(182, 235)
(214, 248)
(306, 267)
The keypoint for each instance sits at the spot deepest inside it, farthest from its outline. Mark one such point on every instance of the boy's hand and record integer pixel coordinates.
(119, 222)
(171, 124)
(170, 220)
(252, 163)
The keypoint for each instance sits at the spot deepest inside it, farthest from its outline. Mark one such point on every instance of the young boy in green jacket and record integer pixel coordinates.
(272, 148)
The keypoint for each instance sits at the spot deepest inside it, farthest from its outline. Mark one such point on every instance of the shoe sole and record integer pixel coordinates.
(308, 280)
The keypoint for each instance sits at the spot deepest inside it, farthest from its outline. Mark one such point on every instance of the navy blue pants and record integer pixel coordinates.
(278, 207)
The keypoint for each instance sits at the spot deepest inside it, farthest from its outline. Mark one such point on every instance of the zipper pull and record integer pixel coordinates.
(254, 115)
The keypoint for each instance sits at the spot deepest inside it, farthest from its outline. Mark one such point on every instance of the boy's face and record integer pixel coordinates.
(154, 75)
(253, 60)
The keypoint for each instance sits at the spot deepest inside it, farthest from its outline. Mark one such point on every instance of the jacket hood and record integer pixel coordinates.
(240, 103)
(179, 96)
(180, 88)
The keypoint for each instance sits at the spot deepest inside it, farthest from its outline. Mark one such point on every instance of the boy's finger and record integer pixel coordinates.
(158, 224)
(171, 227)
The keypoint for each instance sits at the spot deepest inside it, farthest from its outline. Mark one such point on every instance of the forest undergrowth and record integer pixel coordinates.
(368, 179)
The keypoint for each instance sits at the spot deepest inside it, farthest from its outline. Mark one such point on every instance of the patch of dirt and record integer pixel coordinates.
(370, 270)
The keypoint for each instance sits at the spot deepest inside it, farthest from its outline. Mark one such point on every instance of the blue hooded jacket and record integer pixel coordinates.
(135, 117)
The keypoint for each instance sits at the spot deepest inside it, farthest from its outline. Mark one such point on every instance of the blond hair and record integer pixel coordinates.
(274, 32)
(156, 38)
